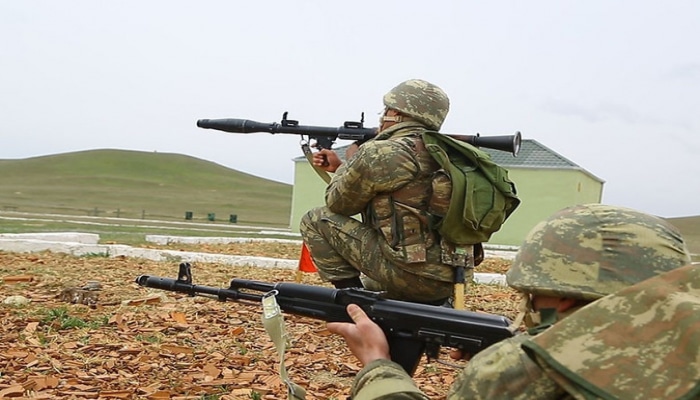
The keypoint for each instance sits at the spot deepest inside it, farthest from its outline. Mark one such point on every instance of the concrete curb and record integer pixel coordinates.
(160, 239)
(85, 244)
(77, 237)
(116, 250)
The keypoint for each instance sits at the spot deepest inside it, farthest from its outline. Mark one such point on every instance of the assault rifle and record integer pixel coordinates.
(325, 137)
(411, 328)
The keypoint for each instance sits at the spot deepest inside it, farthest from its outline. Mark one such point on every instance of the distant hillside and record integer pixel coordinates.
(690, 228)
(132, 184)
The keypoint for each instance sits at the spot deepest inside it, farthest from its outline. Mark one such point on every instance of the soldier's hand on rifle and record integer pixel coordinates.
(365, 339)
(327, 159)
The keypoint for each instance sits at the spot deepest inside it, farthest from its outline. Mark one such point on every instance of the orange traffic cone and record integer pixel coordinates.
(306, 264)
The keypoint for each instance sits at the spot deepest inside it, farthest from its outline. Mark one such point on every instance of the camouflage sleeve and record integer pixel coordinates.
(379, 166)
(504, 371)
(384, 379)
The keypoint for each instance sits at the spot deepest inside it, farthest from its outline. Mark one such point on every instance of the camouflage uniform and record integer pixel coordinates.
(502, 371)
(660, 316)
(583, 252)
(389, 181)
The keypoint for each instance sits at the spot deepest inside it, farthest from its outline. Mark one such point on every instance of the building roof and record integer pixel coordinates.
(533, 154)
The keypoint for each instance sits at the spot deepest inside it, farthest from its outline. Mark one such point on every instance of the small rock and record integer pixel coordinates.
(16, 300)
(92, 285)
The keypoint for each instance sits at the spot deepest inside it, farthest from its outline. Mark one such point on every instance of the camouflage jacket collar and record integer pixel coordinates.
(402, 129)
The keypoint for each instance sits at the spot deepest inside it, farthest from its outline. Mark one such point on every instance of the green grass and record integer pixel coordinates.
(60, 318)
(125, 189)
(141, 185)
(129, 232)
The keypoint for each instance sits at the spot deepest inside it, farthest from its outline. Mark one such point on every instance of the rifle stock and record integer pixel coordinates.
(412, 329)
(325, 136)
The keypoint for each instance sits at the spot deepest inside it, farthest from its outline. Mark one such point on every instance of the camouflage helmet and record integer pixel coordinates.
(589, 251)
(420, 100)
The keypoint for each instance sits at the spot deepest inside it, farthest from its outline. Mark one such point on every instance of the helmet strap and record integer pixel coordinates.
(535, 321)
(548, 317)
(393, 118)
(526, 313)
(396, 118)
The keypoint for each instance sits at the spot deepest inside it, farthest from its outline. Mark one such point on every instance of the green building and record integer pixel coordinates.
(546, 182)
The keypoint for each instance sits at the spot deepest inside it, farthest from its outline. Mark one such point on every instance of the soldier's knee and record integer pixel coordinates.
(305, 220)
(314, 215)
(309, 220)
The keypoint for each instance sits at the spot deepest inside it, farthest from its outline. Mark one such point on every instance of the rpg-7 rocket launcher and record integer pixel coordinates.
(325, 137)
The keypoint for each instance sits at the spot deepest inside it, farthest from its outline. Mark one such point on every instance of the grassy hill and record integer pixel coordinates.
(690, 228)
(133, 184)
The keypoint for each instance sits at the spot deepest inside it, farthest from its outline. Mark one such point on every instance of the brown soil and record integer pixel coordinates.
(136, 342)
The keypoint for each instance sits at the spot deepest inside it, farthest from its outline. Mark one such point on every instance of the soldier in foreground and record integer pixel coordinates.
(388, 180)
(572, 259)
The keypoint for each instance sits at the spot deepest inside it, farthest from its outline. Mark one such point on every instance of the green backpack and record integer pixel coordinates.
(482, 197)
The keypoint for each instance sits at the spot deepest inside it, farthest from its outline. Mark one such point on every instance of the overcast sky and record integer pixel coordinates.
(613, 86)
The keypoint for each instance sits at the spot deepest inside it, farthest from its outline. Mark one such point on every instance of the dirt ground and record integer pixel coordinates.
(131, 342)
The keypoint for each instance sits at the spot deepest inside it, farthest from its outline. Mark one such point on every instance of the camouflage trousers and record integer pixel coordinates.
(343, 247)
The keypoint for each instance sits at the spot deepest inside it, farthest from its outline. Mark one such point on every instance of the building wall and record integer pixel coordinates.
(307, 192)
(542, 191)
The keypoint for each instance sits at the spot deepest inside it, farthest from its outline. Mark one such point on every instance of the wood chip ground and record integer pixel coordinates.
(140, 343)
